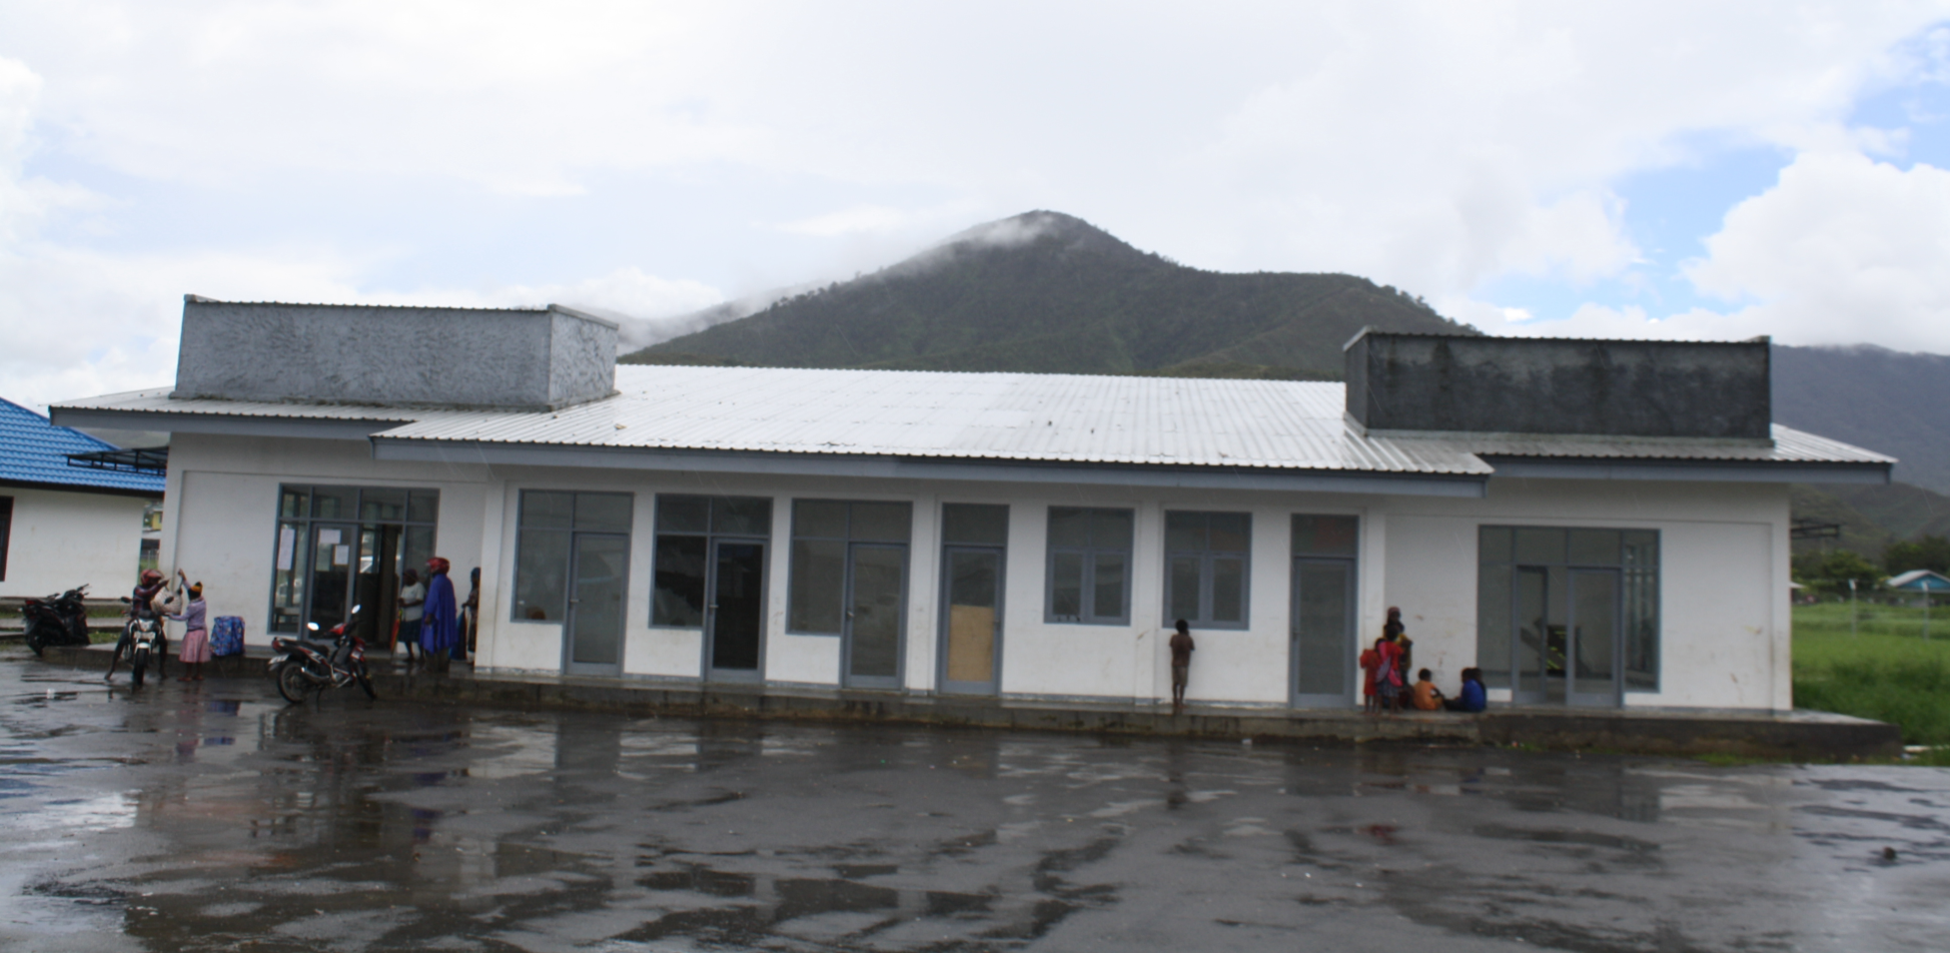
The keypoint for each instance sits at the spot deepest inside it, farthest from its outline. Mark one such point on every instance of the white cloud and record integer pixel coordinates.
(1841, 250)
(79, 321)
(1431, 145)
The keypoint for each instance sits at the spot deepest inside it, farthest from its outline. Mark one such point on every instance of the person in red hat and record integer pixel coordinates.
(440, 625)
(141, 606)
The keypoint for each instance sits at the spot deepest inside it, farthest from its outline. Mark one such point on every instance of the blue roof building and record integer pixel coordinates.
(34, 453)
(71, 507)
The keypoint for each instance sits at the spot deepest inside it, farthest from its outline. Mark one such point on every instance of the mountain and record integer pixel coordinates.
(1887, 401)
(1044, 291)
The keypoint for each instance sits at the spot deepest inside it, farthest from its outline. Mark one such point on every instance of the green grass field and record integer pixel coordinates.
(1886, 671)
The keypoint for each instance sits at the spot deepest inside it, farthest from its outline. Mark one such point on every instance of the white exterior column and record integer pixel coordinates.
(1780, 612)
(496, 570)
(923, 594)
(1373, 568)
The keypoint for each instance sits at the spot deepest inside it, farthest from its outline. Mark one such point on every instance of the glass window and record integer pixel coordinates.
(1545, 555)
(824, 519)
(391, 529)
(880, 522)
(683, 514)
(686, 526)
(1540, 546)
(382, 505)
(974, 524)
(603, 512)
(422, 506)
(818, 586)
(334, 502)
(1325, 535)
(1089, 565)
(821, 531)
(541, 574)
(741, 516)
(548, 524)
(545, 510)
(678, 597)
(1206, 558)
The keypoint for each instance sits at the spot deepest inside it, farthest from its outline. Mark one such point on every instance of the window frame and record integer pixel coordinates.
(709, 535)
(571, 531)
(301, 526)
(1087, 590)
(846, 543)
(1642, 627)
(1207, 557)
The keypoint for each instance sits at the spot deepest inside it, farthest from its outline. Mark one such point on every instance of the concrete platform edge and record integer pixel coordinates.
(1817, 736)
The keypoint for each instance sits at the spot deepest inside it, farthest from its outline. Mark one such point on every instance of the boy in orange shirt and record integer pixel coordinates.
(1427, 697)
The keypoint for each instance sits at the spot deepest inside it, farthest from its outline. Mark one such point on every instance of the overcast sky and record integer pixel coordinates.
(1706, 170)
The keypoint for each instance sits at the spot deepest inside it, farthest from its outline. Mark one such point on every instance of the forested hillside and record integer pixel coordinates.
(1048, 292)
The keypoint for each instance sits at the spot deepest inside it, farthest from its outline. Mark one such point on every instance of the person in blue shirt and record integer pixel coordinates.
(1471, 698)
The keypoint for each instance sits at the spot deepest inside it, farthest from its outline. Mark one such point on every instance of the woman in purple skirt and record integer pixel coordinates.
(196, 640)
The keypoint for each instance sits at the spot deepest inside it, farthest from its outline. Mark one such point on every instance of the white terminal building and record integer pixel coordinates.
(1592, 523)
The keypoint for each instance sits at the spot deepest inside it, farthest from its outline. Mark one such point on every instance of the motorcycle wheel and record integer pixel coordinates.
(36, 639)
(136, 667)
(365, 682)
(293, 684)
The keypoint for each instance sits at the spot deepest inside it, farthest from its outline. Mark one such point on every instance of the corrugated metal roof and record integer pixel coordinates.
(1022, 417)
(33, 450)
(1057, 418)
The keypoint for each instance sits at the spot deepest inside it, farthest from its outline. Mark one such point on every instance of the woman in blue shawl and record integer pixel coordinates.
(440, 626)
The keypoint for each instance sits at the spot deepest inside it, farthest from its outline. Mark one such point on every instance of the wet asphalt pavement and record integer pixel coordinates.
(218, 818)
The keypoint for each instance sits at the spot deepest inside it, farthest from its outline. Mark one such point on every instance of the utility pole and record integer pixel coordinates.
(1851, 608)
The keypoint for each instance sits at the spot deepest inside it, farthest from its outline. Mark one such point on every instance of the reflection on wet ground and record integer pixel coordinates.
(217, 818)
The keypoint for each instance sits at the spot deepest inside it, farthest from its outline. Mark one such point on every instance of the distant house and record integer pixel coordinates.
(70, 511)
(1592, 523)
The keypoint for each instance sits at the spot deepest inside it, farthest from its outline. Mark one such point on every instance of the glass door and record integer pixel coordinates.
(599, 582)
(1323, 633)
(876, 585)
(1593, 671)
(734, 616)
(971, 623)
(332, 565)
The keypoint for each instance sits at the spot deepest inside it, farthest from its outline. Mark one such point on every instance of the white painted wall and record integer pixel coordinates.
(1723, 578)
(61, 540)
(220, 517)
(1724, 566)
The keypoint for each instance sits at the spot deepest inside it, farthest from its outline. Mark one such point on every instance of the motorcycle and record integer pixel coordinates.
(57, 620)
(145, 632)
(302, 666)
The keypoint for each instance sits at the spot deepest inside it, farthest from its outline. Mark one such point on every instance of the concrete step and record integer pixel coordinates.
(1797, 735)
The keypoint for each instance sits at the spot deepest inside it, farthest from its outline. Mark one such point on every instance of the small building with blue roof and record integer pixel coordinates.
(71, 508)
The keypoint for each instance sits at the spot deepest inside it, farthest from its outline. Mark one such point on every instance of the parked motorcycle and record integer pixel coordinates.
(302, 666)
(57, 620)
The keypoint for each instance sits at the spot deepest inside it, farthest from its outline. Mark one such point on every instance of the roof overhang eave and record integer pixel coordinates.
(489, 453)
(138, 492)
(233, 425)
(1710, 471)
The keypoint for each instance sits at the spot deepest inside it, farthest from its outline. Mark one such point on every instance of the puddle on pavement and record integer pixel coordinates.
(215, 816)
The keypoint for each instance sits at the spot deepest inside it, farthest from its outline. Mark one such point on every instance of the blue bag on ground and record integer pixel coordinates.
(227, 636)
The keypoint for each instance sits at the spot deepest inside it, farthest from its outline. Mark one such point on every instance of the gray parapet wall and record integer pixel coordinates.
(1452, 383)
(513, 358)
